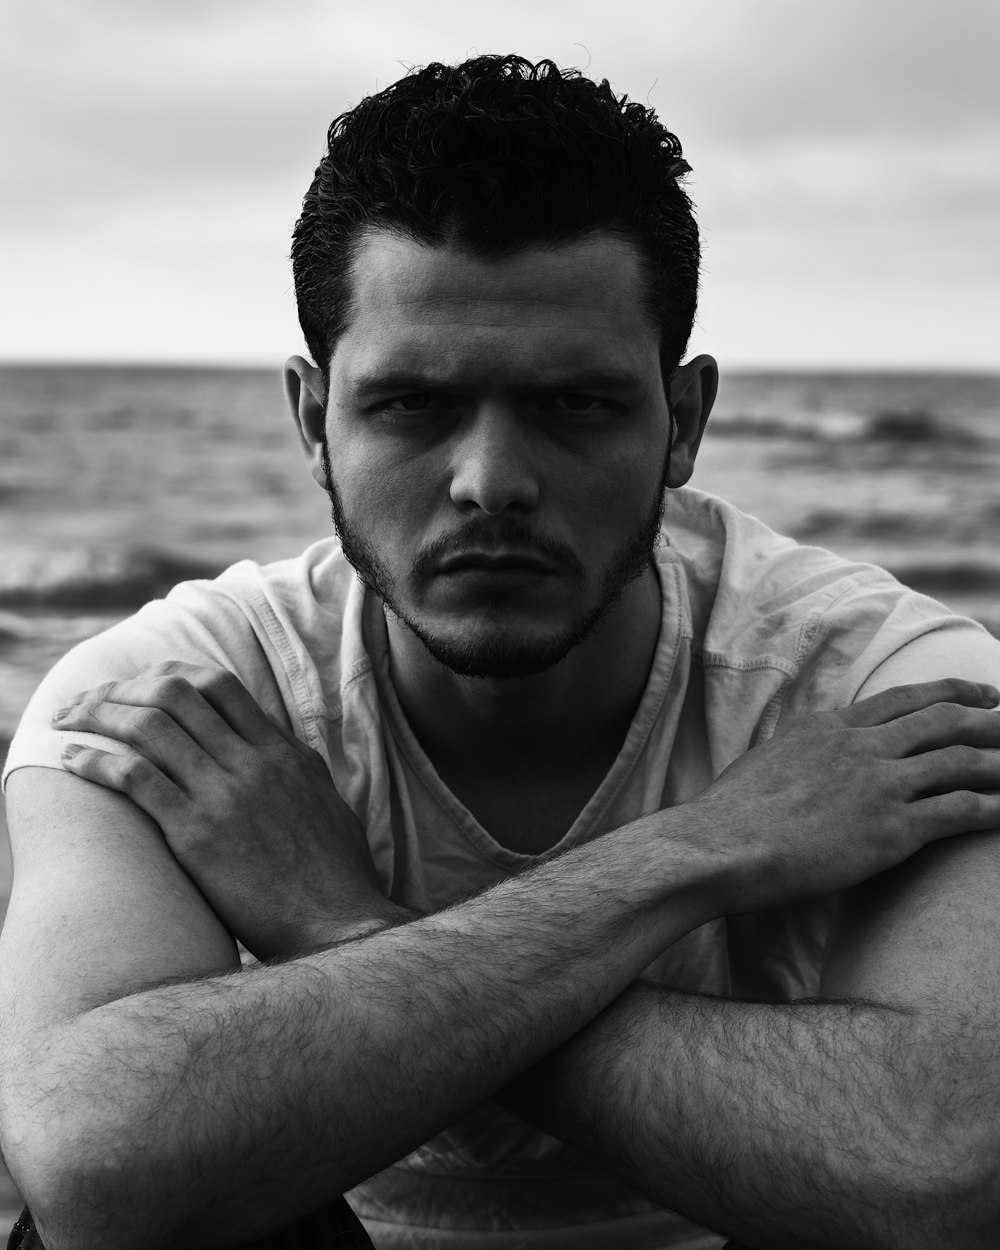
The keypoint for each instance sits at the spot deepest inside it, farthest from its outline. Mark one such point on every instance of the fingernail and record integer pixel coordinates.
(61, 714)
(74, 748)
(990, 692)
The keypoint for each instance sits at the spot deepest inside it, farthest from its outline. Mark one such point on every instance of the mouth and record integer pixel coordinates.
(497, 562)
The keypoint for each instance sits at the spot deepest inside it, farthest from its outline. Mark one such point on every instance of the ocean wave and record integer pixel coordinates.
(101, 580)
(880, 526)
(949, 577)
(886, 425)
(972, 524)
(33, 626)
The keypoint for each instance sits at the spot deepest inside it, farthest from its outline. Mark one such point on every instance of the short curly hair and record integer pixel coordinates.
(495, 155)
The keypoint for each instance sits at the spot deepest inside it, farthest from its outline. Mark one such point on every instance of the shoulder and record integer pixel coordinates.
(254, 620)
(827, 624)
(754, 592)
(306, 593)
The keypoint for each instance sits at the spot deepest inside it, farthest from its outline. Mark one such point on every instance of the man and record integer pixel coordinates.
(576, 852)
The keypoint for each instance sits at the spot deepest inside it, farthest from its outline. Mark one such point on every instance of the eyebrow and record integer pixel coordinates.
(369, 386)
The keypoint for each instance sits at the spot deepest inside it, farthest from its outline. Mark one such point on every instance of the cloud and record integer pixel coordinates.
(858, 138)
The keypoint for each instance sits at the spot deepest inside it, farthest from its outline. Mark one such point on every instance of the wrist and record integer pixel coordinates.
(701, 871)
(305, 934)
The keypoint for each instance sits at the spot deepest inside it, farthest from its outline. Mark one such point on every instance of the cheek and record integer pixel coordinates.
(385, 496)
(626, 485)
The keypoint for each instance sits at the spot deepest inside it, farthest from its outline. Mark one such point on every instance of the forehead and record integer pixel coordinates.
(421, 306)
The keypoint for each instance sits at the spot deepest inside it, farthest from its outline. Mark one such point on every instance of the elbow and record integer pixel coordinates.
(976, 1202)
(63, 1207)
(77, 1206)
(81, 1190)
(953, 1196)
(74, 1205)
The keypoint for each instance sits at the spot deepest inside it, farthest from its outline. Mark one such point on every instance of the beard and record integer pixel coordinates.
(502, 654)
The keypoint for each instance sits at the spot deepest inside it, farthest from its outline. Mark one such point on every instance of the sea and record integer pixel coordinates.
(116, 483)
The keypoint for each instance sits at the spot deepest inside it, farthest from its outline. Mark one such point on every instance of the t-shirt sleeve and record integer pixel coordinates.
(963, 649)
(878, 634)
(198, 622)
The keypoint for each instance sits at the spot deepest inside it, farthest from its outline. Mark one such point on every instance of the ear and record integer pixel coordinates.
(692, 394)
(307, 401)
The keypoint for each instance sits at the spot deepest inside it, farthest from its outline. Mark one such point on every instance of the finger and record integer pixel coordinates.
(952, 768)
(899, 701)
(172, 692)
(149, 730)
(941, 725)
(961, 811)
(155, 689)
(229, 698)
(132, 775)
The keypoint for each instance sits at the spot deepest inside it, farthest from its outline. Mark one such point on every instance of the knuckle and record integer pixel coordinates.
(99, 694)
(944, 716)
(148, 722)
(88, 710)
(967, 804)
(276, 758)
(253, 758)
(954, 715)
(175, 665)
(903, 697)
(883, 779)
(220, 679)
(894, 825)
(171, 688)
(135, 770)
(853, 748)
(269, 771)
(971, 757)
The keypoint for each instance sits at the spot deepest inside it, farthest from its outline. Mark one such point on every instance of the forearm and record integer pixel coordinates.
(213, 1112)
(816, 1124)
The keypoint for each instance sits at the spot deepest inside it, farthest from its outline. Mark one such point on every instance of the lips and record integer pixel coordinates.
(497, 562)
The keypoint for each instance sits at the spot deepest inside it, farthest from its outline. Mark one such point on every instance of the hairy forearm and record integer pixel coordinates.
(208, 1113)
(815, 1124)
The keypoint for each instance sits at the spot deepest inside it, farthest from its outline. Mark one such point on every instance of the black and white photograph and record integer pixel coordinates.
(500, 625)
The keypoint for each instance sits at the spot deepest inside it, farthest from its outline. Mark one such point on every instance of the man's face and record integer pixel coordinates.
(497, 441)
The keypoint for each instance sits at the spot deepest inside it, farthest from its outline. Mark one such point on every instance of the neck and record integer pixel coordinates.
(578, 710)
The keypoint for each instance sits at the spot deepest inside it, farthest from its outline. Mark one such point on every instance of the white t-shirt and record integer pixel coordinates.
(755, 630)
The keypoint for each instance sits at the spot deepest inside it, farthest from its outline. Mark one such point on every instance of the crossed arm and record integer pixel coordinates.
(224, 1104)
(868, 1119)
(220, 1104)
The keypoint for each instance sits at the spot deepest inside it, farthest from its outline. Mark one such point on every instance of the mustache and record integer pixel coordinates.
(510, 535)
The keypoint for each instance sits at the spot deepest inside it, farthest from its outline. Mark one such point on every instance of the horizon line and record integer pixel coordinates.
(263, 366)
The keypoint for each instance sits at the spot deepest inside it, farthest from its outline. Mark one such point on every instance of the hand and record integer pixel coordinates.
(847, 794)
(250, 812)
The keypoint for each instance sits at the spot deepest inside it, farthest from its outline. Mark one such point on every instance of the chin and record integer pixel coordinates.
(500, 656)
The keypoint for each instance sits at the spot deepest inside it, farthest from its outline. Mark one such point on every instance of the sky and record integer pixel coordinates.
(846, 157)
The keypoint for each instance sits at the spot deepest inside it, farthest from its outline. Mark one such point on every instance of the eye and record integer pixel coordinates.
(575, 402)
(415, 408)
(419, 402)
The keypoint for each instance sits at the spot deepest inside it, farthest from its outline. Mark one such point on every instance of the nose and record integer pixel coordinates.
(493, 468)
